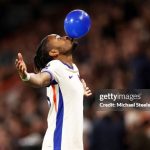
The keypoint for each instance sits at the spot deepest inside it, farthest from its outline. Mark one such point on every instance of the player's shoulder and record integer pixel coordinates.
(54, 63)
(58, 65)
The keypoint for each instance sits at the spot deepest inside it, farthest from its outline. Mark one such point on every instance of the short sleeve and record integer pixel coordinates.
(54, 70)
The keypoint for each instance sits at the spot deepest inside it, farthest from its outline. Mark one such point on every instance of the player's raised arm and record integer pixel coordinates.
(41, 79)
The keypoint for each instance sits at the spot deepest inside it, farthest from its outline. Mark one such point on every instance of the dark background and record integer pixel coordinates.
(114, 54)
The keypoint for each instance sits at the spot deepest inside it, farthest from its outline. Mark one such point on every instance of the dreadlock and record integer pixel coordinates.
(42, 57)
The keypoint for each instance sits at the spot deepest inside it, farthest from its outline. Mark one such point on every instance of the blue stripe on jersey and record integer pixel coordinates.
(59, 123)
(69, 66)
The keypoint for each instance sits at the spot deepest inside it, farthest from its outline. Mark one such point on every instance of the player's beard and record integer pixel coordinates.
(74, 46)
(72, 50)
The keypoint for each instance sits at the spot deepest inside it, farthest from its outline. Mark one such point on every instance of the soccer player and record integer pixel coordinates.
(56, 71)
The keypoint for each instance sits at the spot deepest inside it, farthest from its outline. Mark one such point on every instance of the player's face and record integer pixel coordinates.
(64, 43)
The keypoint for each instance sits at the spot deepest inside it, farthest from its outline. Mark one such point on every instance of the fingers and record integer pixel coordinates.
(20, 58)
(17, 63)
(20, 66)
(87, 92)
(83, 82)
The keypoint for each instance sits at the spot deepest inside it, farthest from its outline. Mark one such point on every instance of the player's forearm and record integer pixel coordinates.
(36, 80)
(32, 80)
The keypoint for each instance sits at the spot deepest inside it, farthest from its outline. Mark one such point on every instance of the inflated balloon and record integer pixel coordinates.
(77, 23)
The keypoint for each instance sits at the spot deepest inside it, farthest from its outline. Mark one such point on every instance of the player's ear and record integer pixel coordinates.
(53, 52)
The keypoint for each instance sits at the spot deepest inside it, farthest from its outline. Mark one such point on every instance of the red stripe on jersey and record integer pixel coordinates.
(54, 97)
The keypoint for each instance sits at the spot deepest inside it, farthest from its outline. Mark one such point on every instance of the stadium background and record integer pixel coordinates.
(115, 54)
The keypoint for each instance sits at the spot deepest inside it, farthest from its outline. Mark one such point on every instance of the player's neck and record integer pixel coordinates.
(66, 59)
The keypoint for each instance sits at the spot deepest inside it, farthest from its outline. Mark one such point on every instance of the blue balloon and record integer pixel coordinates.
(77, 23)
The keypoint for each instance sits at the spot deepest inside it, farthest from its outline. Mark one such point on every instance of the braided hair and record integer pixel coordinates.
(42, 56)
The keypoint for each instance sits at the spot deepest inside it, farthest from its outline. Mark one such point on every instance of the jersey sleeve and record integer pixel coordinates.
(54, 70)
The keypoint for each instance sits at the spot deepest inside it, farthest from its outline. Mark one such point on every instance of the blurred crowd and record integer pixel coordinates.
(115, 54)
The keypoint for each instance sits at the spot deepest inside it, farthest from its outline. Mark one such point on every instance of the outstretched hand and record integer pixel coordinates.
(21, 66)
(87, 91)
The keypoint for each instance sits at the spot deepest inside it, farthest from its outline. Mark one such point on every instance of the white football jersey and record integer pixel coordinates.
(65, 117)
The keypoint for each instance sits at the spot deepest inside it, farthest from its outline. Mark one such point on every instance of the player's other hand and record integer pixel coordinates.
(87, 91)
(21, 66)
